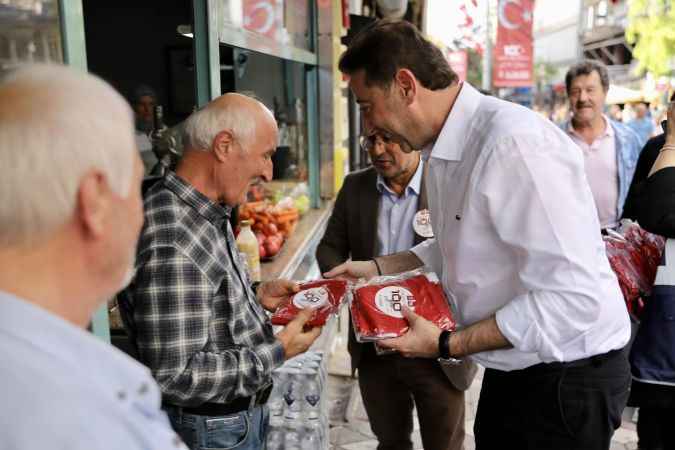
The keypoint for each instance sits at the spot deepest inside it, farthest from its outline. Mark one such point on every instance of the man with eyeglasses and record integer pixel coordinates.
(382, 210)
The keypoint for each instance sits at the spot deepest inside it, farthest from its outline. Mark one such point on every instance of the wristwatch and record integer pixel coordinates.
(444, 350)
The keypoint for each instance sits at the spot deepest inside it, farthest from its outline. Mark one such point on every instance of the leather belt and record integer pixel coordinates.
(594, 361)
(226, 409)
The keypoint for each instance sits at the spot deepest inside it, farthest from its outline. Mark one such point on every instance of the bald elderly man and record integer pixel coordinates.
(191, 309)
(70, 216)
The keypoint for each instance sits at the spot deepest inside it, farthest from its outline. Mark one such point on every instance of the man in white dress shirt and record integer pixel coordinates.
(70, 216)
(517, 248)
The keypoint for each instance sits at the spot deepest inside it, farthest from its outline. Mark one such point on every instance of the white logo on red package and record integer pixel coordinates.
(390, 300)
(311, 298)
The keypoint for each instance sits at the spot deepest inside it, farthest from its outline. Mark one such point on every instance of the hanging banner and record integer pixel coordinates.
(459, 62)
(513, 50)
(264, 17)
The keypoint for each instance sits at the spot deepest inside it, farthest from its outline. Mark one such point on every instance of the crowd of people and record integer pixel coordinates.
(517, 207)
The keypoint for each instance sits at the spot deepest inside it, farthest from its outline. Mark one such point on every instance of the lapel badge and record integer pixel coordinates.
(422, 224)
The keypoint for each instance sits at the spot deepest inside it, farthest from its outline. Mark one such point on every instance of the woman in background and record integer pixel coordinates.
(651, 201)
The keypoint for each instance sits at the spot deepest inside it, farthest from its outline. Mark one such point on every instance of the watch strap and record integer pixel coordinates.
(444, 344)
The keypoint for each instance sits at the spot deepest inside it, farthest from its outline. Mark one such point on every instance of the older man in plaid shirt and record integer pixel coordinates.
(190, 308)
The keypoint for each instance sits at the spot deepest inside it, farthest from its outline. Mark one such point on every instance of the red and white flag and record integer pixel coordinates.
(513, 50)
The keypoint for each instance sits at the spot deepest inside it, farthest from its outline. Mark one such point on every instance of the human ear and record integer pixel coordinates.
(407, 84)
(93, 204)
(222, 144)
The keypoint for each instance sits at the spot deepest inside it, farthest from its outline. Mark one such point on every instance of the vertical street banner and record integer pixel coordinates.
(459, 62)
(513, 50)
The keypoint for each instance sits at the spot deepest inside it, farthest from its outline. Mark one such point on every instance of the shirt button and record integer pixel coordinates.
(121, 395)
(143, 389)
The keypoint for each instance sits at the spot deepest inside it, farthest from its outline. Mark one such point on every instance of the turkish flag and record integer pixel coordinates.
(513, 50)
(261, 16)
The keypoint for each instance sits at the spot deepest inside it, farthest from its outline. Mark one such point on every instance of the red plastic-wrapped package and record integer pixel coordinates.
(376, 305)
(324, 296)
(634, 255)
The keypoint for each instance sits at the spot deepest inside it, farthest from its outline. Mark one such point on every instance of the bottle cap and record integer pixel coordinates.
(246, 223)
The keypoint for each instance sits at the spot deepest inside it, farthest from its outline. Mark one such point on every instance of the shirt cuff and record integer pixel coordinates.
(517, 322)
(271, 355)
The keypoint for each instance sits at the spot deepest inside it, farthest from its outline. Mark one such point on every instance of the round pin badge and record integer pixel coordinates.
(422, 224)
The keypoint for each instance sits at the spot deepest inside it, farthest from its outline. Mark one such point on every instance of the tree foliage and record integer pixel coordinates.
(474, 73)
(651, 27)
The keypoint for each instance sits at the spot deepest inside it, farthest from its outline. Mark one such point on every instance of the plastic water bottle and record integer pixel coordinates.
(312, 437)
(292, 438)
(312, 397)
(275, 439)
(276, 400)
(292, 395)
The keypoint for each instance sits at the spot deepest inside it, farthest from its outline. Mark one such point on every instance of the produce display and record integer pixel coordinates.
(272, 224)
(377, 304)
(324, 296)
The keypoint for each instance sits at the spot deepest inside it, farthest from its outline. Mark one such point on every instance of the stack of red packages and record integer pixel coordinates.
(377, 304)
(634, 255)
(324, 296)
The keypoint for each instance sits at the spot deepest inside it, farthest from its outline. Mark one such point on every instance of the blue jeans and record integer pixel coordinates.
(245, 430)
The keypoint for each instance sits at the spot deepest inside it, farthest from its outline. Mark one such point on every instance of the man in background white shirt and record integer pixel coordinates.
(70, 216)
(517, 248)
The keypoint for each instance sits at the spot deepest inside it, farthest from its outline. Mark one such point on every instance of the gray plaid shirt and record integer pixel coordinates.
(196, 321)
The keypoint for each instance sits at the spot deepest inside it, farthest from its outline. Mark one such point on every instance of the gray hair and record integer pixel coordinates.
(56, 124)
(587, 67)
(203, 125)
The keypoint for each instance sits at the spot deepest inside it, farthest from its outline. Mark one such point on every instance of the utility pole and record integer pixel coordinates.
(487, 50)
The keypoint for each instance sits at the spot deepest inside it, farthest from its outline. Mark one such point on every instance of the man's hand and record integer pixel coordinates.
(294, 339)
(421, 340)
(353, 270)
(271, 293)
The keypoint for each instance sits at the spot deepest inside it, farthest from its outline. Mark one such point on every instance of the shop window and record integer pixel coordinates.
(29, 33)
(280, 85)
(137, 47)
(285, 22)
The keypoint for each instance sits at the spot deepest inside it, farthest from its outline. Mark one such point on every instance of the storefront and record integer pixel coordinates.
(182, 53)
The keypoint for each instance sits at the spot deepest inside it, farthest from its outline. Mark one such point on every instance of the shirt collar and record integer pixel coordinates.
(609, 129)
(414, 185)
(210, 210)
(449, 143)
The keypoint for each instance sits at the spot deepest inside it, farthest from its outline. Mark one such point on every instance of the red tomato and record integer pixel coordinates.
(260, 237)
(272, 247)
(262, 251)
(271, 229)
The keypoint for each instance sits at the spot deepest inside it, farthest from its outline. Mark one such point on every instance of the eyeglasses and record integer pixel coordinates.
(368, 142)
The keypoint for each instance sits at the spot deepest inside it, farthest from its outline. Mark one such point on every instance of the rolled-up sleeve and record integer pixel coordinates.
(430, 254)
(534, 199)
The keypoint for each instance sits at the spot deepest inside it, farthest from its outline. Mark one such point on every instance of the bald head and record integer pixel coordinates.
(56, 123)
(239, 114)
